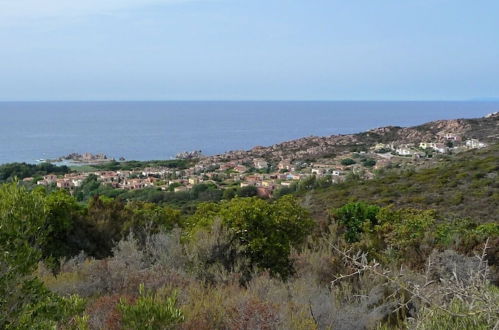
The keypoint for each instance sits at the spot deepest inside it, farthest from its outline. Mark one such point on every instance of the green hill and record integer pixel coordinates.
(465, 185)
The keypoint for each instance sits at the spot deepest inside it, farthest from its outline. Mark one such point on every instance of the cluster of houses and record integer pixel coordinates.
(266, 176)
(259, 173)
(456, 145)
(117, 179)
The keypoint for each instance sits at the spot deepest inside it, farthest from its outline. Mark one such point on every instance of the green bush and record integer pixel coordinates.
(369, 162)
(459, 315)
(347, 161)
(353, 217)
(150, 312)
(9, 172)
(25, 303)
(266, 230)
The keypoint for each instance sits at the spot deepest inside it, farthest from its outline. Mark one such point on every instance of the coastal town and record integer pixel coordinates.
(268, 169)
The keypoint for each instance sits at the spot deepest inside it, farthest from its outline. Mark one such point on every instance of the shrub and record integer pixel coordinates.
(103, 312)
(208, 307)
(369, 162)
(253, 313)
(459, 315)
(165, 250)
(409, 232)
(24, 301)
(353, 217)
(150, 312)
(214, 256)
(347, 161)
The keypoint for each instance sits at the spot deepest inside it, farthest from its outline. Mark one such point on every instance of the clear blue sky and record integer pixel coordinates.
(248, 49)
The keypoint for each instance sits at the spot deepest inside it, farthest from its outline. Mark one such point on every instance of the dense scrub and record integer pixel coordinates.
(249, 263)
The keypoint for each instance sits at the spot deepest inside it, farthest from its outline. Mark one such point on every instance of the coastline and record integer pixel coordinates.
(160, 130)
(316, 144)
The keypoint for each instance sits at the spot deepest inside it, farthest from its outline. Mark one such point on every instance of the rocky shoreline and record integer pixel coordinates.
(85, 158)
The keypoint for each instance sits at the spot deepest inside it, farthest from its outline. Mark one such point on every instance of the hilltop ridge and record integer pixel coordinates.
(484, 128)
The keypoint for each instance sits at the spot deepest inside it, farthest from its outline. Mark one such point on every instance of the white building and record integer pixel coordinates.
(475, 144)
(403, 151)
(427, 145)
(260, 163)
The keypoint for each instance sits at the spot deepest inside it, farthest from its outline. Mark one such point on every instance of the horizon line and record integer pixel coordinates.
(252, 100)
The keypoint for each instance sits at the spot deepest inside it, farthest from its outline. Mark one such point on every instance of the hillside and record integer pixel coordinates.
(97, 257)
(466, 185)
(485, 129)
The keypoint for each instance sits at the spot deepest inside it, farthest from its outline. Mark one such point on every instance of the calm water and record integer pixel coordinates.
(158, 130)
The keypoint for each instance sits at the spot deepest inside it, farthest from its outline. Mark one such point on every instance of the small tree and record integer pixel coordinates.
(266, 231)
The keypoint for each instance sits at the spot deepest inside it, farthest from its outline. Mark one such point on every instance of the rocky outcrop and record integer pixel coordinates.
(486, 129)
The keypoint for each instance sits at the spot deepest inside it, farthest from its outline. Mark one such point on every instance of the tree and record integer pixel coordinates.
(149, 218)
(104, 221)
(229, 193)
(266, 230)
(63, 214)
(24, 301)
(88, 188)
(248, 191)
(9, 172)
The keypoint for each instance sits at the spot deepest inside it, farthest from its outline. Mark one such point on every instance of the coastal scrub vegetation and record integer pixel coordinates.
(13, 171)
(461, 186)
(397, 252)
(136, 165)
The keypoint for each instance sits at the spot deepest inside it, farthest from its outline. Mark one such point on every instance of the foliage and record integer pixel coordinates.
(150, 312)
(24, 301)
(266, 230)
(405, 230)
(62, 210)
(353, 217)
(137, 165)
(253, 263)
(9, 172)
(369, 162)
(460, 315)
(463, 186)
(203, 192)
(148, 218)
(248, 191)
(347, 161)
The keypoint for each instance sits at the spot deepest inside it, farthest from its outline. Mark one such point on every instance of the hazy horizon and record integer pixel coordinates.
(485, 99)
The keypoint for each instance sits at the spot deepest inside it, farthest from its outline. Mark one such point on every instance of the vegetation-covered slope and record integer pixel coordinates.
(466, 185)
(249, 263)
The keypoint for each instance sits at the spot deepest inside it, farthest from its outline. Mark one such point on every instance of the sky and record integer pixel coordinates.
(249, 50)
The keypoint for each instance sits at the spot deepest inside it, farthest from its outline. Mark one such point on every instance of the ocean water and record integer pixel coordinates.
(158, 130)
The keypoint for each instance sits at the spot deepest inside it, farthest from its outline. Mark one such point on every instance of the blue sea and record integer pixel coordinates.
(158, 130)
